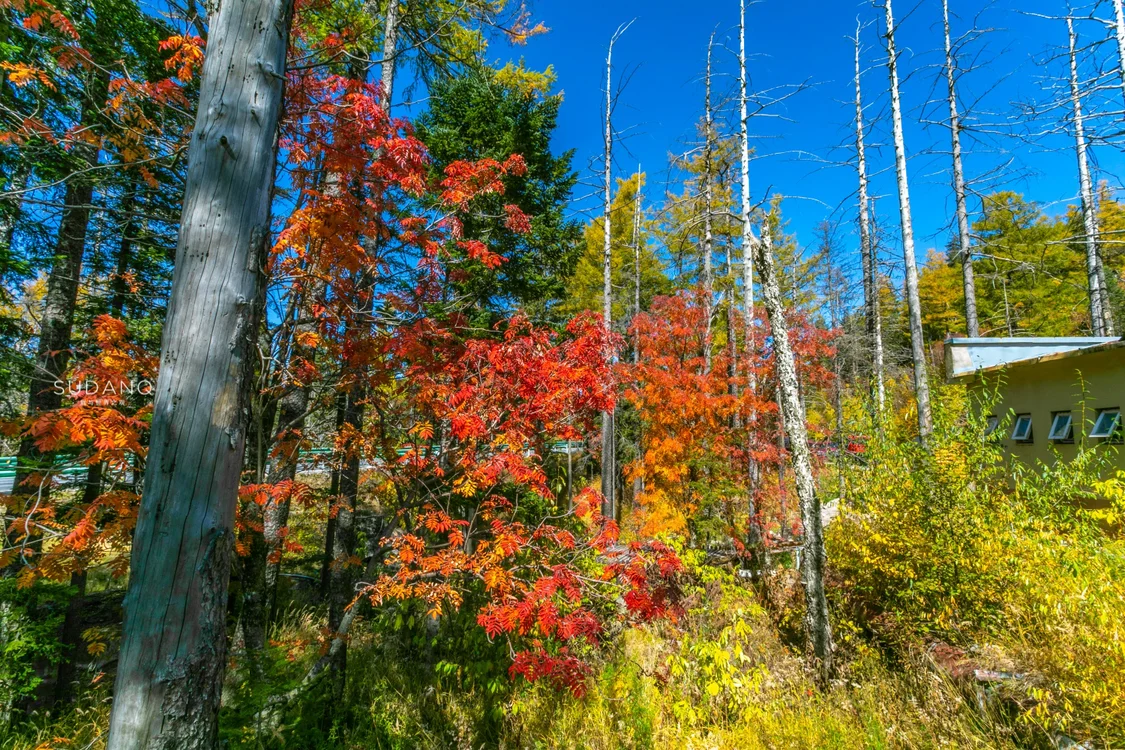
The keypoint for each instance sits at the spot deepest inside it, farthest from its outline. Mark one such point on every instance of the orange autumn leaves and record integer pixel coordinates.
(702, 424)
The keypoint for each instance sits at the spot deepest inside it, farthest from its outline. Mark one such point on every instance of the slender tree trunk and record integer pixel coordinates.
(638, 479)
(1101, 320)
(867, 248)
(341, 577)
(818, 629)
(173, 648)
(609, 443)
(708, 199)
(754, 529)
(971, 321)
(637, 263)
(917, 344)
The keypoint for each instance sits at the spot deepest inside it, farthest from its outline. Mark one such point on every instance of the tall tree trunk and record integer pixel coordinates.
(964, 247)
(70, 634)
(867, 248)
(1101, 318)
(754, 530)
(818, 629)
(173, 647)
(609, 441)
(57, 319)
(917, 344)
(637, 263)
(708, 199)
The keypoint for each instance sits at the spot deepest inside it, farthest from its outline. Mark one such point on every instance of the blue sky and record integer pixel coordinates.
(795, 41)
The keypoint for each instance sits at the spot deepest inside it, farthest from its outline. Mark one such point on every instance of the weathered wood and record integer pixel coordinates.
(173, 651)
(818, 629)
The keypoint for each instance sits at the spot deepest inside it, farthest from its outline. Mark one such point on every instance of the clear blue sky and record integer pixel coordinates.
(794, 41)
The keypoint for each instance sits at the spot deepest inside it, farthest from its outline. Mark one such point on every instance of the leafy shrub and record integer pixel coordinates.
(948, 543)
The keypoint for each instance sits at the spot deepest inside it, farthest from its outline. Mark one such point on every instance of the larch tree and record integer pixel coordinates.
(914, 307)
(173, 647)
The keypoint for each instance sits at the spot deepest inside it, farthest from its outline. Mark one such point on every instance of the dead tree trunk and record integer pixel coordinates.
(867, 248)
(173, 648)
(708, 199)
(609, 438)
(818, 629)
(917, 345)
(637, 262)
(971, 321)
(754, 529)
(1101, 318)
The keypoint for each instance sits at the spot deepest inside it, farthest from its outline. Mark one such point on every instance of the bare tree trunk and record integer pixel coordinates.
(609, 442)
(1101, 320)
(637, 262)
(818, 629)
(867, 248)
(971, 321)
(708, 199)
(917, 345)
(754, 531)
(173, 648)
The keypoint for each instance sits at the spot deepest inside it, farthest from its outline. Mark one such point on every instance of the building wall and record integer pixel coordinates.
(1044, 388)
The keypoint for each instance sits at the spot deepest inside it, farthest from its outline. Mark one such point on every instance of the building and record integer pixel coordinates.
(1052, 393)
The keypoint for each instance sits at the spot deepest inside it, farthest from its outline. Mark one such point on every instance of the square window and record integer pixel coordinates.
(991, 424)
(1021, 432)
(1062, 428)
(1107, 425)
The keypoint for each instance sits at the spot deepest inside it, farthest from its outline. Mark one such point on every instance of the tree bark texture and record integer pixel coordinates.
(173, 649)
(818, 629)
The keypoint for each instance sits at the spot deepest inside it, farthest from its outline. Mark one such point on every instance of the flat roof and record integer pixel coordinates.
(971, 356)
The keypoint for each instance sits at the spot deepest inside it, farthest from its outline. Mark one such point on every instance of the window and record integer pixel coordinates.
(990, 425)
(1021, 432)
(1107, 425)
(1062, 427)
